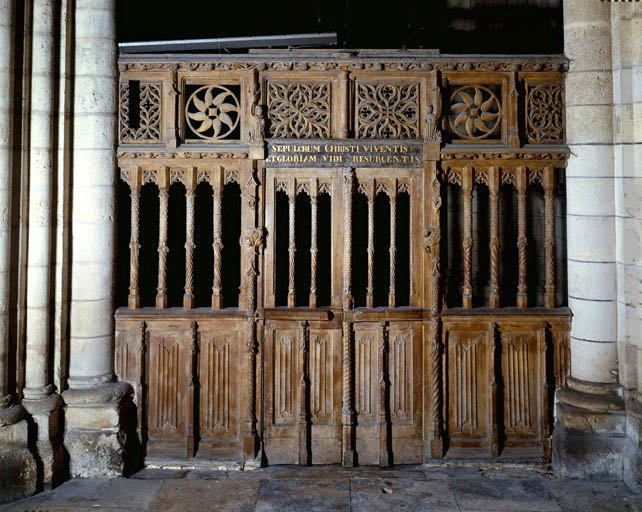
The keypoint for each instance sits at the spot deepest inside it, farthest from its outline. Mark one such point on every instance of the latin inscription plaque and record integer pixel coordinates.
(344, 153)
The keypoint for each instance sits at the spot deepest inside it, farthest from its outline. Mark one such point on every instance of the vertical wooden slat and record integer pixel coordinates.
(384, 441)
(163, 194)
(304, 419)
(522, 242)
(549, 235)
(370, 289)
(393, 243)
(493, 187)
(292, 243)
(344, 95)
(314, 197)
(217, 240)
(190, 188)
(133, 300)
(467, 243)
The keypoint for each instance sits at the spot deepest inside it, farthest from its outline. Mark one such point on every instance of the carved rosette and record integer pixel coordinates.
(475, 112)
(212, 112)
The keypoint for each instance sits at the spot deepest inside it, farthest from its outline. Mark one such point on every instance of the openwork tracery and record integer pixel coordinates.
(299, 110)
(545, 118)
(387, 110)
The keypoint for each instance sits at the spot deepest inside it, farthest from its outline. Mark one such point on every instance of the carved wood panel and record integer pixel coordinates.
(520, 366)
(468, 389)
(285, 377)
(169, 382)
(366, 346)
(220, 381)
(321, 375)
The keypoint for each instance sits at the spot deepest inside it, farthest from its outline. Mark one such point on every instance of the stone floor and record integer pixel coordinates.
(447, 487)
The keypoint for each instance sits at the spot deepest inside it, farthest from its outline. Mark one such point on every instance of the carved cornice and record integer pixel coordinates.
(351, 65)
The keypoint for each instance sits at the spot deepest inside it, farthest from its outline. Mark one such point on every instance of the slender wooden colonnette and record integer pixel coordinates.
(412, 344)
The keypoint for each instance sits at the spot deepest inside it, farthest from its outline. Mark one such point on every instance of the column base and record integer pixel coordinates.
(633, 446)
(46, 438)
(95, 429)
(18, 468)
(590, 432)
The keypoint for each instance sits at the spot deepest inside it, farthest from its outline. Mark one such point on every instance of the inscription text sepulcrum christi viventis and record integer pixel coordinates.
(352, 153)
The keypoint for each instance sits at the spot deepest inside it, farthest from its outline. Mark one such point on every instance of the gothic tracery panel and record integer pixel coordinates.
(285, 389)
(140, 122)
(387, 110)
(299, 110)
(545, 113)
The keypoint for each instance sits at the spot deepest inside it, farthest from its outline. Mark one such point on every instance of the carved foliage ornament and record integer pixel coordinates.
(212, 112)
(387, 111)
(545, 113)
(149, 113)
(474, 112)
(299, 110)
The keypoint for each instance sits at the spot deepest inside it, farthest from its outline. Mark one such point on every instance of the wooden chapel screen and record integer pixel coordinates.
(342, 258)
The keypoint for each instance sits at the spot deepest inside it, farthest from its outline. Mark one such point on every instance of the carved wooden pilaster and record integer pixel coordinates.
(545, 396)
(467, 243)
(348, 412)
(217, 240)
(133, 300)
(385, 456)
(191, 372)
(190, 188)
(522, 241)
(513, 100)
(492, 382)
(493, 207)
(163, 194)
(302, 396)
(314, 250)
(434, 346)
(348, 184)
(292, 243)
(393, 244)
(370, 290)
(253, 240)
(549, 235)
(344, 94)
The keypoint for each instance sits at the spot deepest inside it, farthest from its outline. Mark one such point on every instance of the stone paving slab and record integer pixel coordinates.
(503, 495)
(220, 495)
(387, 495)
(439, 488)
(584, 496)
(304, 495)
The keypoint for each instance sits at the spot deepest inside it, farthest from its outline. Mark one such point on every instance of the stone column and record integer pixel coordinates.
(93, 414)
(626, 30)
(40, 400)
(589, 430)
(17, 463)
